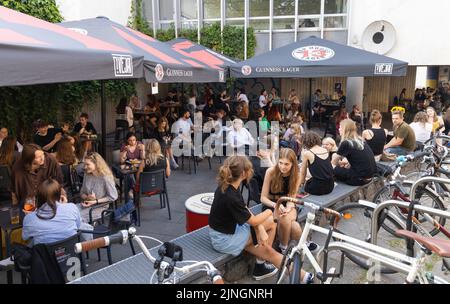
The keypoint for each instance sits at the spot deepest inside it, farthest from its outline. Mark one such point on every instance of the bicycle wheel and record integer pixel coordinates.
(357, 223)
(424, 196)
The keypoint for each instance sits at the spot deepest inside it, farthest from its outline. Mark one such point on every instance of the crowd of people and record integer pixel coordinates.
(305, 163)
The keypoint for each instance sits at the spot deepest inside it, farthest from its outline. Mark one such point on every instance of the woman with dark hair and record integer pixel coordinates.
(132, 149)
(316, 159)
(8, 153)
(65, 152)
(164, 138)
(53, 220)
(125, 112)
(274, 114)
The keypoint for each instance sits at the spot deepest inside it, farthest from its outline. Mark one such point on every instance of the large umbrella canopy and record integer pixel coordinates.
(33, 51)
(161, 62)
(201, 53)
(315, 57)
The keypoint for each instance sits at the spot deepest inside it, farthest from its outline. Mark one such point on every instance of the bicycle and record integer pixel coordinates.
(414, 268)
(398, 186)
(166, 272)
(368, 217)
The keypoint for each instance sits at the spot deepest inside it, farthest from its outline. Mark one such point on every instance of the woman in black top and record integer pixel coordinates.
(376, 136)
(317, 160)
(163, 136)
(447, 122)
(230, 221)
(361, 166)
(154, 160)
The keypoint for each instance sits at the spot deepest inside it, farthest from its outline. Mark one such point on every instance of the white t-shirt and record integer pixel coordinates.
(129, 116)
(243, 137)
(262, 101)
(243, 97)
(422, 134)
(184, 125)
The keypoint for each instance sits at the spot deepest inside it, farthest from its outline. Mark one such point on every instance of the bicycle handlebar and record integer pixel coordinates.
(300, 202)
(122, 237)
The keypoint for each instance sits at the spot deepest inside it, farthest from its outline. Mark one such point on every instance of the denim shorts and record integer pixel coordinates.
(232, 244)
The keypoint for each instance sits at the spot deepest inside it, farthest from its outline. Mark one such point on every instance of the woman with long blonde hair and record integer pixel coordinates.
(154, 159)
(98, 186)
(283, 179)
(360, 165)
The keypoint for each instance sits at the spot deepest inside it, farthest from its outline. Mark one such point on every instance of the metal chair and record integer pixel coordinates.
(150, 184)
(106, 225)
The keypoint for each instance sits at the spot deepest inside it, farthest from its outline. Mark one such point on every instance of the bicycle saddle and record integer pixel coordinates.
(438, 246)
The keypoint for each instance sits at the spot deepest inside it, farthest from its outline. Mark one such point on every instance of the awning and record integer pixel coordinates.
(161, 62)
(315, 57)
(33, 51)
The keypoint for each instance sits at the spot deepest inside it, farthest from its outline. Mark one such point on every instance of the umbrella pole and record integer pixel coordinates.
(310, 104)
(103, 114)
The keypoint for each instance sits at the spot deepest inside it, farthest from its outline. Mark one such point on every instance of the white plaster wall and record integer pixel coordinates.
(115, 10)
(421, 27)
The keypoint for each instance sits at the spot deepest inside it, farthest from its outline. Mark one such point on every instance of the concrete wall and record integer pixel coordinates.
(115, 10)
(420, 28)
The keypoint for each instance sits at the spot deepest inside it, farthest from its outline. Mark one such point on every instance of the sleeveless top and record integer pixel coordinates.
(435, 126)
(160, 165)
(321, 169)
(376, 143)
(281, 193)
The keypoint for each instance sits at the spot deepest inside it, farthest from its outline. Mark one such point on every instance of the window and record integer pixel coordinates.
(259, 24)
(211, 9)
(239, 23)
(335, 6)
(148, 12)
(166, 10)
(334, 22)
(189, 25)
(188, 9)
(284, 7)
(308, 7)
(259, 8)
(234, 8)
(308, 23)
(283, 24)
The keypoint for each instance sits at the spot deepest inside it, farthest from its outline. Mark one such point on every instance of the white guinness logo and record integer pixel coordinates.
(159, 72)
(384, 68)
(246, 70)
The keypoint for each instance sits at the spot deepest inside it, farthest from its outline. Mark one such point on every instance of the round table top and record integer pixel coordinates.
(200, 203)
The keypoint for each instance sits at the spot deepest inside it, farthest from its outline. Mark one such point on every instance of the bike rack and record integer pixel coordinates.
(324, 276)
(406, 205)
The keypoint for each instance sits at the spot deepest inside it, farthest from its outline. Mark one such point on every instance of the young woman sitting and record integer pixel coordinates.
(98, 186)
(283, 179)
(361, 166)
(317, 160)
(53, 220)
(375, 136)
(233, 228)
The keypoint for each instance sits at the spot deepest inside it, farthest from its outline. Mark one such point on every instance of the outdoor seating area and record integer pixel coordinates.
(167, 162)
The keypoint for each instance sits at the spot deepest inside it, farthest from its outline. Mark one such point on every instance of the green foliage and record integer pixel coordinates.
(165, 35)
(233, 42)
(210, 37)
(43, 9)
(137, 19)
(190, 34)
